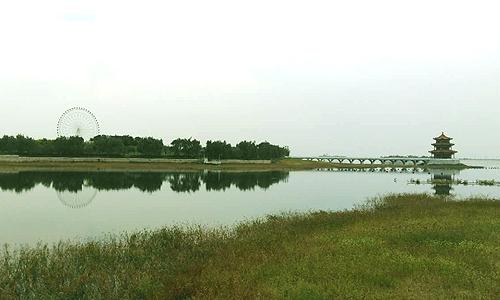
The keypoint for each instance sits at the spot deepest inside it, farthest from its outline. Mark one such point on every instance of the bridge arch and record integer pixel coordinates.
(398, 162)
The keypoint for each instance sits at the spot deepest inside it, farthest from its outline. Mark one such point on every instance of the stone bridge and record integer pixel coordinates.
(400, 161)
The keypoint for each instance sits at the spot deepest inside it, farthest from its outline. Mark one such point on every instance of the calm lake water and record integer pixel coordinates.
(50, 206)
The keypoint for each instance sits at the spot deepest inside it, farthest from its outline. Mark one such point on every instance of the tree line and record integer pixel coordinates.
(127, 146)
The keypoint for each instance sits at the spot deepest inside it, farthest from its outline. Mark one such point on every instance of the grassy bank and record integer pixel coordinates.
(408, 246)
(280, 165)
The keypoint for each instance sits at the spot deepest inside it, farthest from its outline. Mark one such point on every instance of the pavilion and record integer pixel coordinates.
(442, 147)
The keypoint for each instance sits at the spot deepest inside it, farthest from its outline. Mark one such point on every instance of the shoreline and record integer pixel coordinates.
(395, 246)
(161, 165)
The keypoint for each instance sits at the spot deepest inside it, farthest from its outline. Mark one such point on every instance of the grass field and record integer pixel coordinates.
(281, 165)
(397, 247)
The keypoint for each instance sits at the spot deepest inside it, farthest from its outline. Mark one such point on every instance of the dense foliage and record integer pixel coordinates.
(408, 247)
(127, 146)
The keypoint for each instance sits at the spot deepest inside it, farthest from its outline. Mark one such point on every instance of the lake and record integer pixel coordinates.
(50, 206)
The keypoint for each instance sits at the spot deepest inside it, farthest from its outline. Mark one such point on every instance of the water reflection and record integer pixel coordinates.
(78, 199)
(188, 198)
(441, 181)
(145, 182)
(379, 170)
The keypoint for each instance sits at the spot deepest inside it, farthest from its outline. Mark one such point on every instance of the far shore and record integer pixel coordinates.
(157, 165)
(164, 165)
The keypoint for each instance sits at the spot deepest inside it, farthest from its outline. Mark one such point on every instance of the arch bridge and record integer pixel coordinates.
(399, 161)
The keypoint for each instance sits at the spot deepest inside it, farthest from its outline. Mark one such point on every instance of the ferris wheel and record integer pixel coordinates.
(78, 121)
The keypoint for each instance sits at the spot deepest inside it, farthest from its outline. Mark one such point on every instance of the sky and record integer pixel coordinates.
(323, 77)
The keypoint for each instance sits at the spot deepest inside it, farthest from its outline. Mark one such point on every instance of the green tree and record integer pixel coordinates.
(108, 146)
(44, 147)
(218, 149)
(247, 150)
(186, 148)
(69, 146)
(24, 145)
(269, 151)
(150, 147)
(8, 145)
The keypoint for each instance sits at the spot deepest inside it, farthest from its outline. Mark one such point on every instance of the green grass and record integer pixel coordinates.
(279, 165)
(396, 247)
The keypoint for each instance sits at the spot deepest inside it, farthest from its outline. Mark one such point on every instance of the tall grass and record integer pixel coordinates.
(398, 246)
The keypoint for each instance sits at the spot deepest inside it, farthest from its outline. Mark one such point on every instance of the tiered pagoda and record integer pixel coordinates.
(442, 147)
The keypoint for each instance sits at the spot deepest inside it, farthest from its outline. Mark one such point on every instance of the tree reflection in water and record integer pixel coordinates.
(74, 182)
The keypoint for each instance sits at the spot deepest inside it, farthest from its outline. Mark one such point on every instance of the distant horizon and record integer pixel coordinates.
(167, 142)
(356, 77)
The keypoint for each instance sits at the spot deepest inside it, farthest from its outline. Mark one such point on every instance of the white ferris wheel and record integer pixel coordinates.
(78, 121)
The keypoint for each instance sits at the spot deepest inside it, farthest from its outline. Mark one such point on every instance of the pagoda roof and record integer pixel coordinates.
(443, 137)
(443, 144)
(443, 151)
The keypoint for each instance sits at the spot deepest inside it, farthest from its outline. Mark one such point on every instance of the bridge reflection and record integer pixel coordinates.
(379, 169)
(441, 179)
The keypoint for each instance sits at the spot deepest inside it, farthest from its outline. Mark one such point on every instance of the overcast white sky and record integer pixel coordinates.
(337, 77)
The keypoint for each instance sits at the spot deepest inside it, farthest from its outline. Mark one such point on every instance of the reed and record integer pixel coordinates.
(411, 246)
